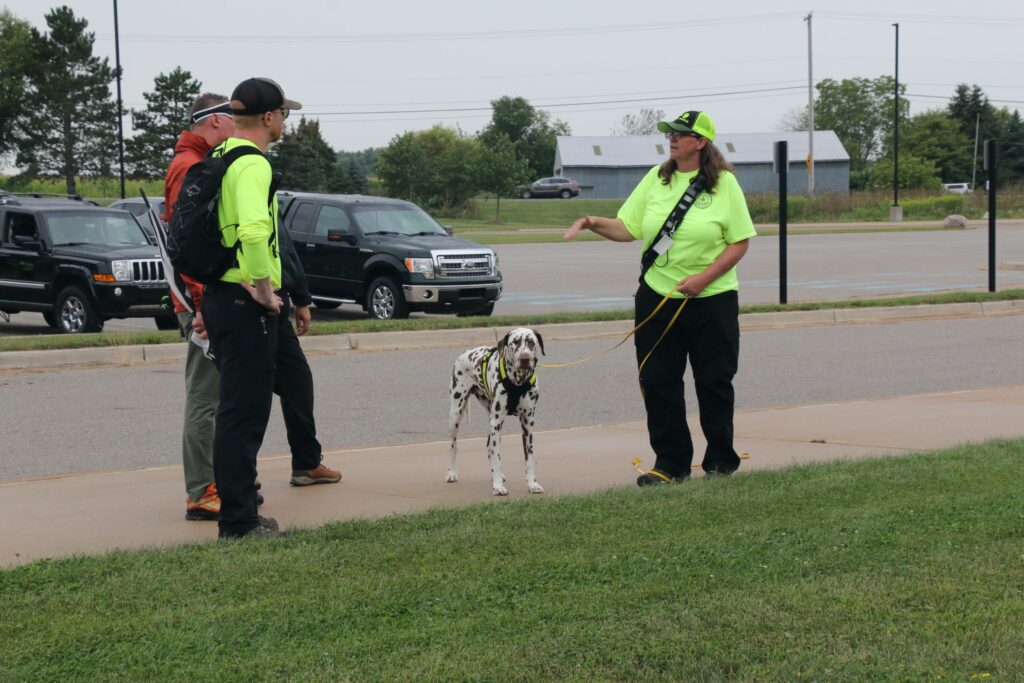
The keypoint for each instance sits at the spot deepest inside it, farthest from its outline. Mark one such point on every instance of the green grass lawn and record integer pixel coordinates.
(321, 327)
(895, 569)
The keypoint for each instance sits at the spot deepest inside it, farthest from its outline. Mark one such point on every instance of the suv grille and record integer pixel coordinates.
(149, 270)
(464, 265)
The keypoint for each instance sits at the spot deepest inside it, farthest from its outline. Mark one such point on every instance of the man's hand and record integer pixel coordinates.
(302, 320)
(262, 293)
(198, 326)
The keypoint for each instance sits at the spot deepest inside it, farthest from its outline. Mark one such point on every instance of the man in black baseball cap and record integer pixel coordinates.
(255, 96)
(246, 315)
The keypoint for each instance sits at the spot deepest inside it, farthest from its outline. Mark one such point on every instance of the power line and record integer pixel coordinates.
(553, 105)
(924, 18)
(467, 35)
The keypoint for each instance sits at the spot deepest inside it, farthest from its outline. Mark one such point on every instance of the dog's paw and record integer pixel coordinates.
(535, 488)
(451, 477)
(499, 490)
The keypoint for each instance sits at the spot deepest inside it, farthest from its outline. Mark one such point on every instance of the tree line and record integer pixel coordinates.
(940, 145)
(58, 118)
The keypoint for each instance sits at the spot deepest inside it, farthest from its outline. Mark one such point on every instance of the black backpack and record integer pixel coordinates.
(194, 237)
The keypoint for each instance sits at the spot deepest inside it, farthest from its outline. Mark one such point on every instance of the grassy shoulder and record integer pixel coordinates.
(903, 568)
(320, 327)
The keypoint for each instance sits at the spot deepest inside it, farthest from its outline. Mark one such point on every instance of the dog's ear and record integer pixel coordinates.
(540, 340)
(502, 343)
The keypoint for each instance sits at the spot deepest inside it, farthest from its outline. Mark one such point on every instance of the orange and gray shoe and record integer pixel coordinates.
(206, 508)
(321, 474)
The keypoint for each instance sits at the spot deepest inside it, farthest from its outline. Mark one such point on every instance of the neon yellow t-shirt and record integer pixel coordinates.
(246, 216)
(714, 221)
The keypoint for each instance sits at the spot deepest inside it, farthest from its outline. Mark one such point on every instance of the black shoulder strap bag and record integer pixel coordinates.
(663, 240)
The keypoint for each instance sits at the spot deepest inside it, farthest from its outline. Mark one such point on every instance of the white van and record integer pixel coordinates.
(957, 188)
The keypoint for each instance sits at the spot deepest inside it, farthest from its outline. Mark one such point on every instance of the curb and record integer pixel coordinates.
(123, 356)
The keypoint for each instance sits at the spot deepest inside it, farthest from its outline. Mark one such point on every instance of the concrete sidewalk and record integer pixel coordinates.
(95, 512)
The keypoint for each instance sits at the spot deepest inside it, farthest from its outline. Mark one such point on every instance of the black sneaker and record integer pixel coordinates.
(267, 528)
(655, 477)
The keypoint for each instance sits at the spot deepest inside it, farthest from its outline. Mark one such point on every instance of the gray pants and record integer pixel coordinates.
(201, 397)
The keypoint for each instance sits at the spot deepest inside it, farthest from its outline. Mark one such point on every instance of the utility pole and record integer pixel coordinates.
(896, 212)
(810, 109)
(120, 104)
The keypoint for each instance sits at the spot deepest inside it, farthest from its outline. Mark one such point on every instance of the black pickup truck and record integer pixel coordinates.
(387, 255)
(77, 264)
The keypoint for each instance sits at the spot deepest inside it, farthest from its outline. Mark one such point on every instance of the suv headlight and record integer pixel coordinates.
(494, 263)
(423, 266)
(122, 270)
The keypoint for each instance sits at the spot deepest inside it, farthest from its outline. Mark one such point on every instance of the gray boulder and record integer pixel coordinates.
(955, 221)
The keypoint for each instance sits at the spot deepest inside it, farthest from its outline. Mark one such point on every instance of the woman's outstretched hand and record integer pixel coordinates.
(575, 228)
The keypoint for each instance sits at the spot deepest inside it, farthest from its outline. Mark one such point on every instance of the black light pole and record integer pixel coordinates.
(990, 166)
(896, 213)
(120, 107)
(782, 168)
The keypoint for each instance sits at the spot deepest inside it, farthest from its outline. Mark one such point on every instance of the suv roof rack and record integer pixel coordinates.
(8, 197)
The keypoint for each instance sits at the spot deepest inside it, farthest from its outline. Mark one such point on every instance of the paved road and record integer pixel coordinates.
(543, 278)
(114, 418)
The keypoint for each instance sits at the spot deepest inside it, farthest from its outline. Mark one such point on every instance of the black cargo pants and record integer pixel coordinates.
(707, 332)
(257, 355)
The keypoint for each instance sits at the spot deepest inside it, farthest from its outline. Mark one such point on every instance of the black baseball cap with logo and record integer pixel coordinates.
(690, 122)
(255, 96)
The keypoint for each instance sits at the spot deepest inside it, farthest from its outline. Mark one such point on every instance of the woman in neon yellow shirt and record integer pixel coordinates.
(697, 270)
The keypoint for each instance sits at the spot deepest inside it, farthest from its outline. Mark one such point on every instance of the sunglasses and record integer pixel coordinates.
(675, 135)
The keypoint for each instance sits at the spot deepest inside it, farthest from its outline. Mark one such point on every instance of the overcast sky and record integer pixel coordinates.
(370, 70)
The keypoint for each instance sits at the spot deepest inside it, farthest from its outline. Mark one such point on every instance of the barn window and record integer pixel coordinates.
(597, 150)
(661, 149)
(729, 146)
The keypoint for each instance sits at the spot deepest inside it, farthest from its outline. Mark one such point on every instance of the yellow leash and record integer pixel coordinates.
(659, 475)
(626, 338)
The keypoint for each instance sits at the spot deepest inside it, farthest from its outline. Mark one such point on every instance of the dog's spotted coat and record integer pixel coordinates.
(519, 349)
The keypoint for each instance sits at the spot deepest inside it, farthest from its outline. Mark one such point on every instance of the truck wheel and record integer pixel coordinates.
(75, 312)
(485, 311)
(166, 322)
(326, 305)
(384, 300)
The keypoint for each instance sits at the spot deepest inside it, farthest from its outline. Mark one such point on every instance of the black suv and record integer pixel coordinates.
(387, 255)
(77, 264)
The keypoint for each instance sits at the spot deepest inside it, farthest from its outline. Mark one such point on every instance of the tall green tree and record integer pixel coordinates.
(305, 160)
(915, 173)
(1011, 150)
(531, 131)
(70, 124)
(860, 111)
(500, 171)
(159, 124)
(434, 167)
(16, 38)
(400, 167)
(934, 136)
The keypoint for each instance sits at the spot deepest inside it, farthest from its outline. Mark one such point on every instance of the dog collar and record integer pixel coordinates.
(514, 391)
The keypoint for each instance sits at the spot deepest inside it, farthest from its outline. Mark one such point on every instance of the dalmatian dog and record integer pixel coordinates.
(504, 380)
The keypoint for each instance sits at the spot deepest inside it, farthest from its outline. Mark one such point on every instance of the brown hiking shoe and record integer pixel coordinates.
(206, 508)
(321, 474)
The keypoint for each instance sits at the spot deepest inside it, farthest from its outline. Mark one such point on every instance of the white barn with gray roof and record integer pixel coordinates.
(609, 167)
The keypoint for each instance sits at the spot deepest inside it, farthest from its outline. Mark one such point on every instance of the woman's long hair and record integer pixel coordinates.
(712, 163)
